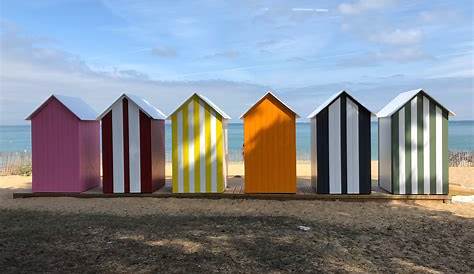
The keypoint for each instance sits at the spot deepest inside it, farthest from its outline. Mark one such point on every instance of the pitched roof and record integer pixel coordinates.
(76, 105)
(142, 104)
(403, 98)
(269, 93)
(207, 101)
(330, 100)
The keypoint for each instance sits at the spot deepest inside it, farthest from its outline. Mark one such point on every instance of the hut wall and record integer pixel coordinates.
(55, 150)
(385, 154)
(270, 148)
(132, 150)
(89, 153)
(341, 148)
(198, 149)
(419, 148)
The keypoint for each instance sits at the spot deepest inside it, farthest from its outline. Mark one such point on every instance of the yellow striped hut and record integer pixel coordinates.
(199, 146)
(413, 145)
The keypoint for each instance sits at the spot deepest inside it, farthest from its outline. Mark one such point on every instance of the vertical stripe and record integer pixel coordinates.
(343, 128)
(208, 150)
(420, 145)
(126, 146)
(395, 124)
(213, 153)
(190, 143)
(439, 150)
(197, 147)
(185, 149)
(117, 142)
(407, 149)
(174, 151)
(134, 147)
(426, 145)
(401, 152)
(220, 154)
(322, 168)
(107, 154)
(202, 147)
(364, 165)
(445, 153)
(414, 144)
(180, 146)
(432, 148)
(146, 153)
(335, 147)
(353, 147)
(314, 152)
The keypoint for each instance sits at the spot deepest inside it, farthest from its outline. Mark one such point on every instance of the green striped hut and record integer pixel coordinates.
(413, 145)
(199, 146)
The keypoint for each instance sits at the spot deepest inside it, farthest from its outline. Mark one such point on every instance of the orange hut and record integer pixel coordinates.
(270, 147)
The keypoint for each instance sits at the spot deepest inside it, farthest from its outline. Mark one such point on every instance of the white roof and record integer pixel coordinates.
(403, 98)
(330, 100)
(205, 99)
(142, 104)
(261, 98)
(74, 104)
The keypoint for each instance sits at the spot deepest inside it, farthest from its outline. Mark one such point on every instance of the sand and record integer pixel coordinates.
(64, 235)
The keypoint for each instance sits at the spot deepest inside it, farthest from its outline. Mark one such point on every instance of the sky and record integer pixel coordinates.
(234, 51)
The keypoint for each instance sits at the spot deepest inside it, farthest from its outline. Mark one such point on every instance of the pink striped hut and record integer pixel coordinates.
(133, 146)
(65, 141)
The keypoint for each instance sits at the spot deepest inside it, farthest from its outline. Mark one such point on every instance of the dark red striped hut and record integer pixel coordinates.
(133, 146)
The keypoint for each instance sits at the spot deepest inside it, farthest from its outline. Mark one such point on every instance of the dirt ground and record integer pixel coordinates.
(62, 235)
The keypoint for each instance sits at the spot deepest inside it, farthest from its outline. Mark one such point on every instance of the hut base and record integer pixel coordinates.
(235, 190)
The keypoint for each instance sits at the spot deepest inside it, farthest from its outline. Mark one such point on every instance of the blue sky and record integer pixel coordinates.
(234, 51)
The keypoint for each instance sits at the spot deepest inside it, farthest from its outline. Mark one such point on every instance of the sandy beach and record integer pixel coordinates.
(252, 236)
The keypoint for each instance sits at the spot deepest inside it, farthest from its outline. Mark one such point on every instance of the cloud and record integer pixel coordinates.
(397, 37)
(309, 10)
(397, 55)
(164, 52)
(30, 72)
(438, 16)
(228, 54)
(361, 6)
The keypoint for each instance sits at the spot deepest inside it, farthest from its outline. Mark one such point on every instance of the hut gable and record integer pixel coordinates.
(331, 100)
(141, 103)
(275, 100)
(404, 98)
(73, 104)
(199, 146)
(205, 100)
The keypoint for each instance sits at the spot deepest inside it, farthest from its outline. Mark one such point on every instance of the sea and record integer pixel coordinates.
(460, 134)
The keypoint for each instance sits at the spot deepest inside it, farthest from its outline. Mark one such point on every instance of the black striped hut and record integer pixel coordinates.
(340, 146)
(413, 145)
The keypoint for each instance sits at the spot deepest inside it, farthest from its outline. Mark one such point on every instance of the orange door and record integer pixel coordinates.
(270, 148)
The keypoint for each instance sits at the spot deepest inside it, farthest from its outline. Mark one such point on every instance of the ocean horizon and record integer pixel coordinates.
(17, 138)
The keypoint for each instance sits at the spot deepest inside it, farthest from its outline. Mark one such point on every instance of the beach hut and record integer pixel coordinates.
(133, 146)
(270, 146)
(65, 146)
(199, 146)
(340, 146)
(413, 145)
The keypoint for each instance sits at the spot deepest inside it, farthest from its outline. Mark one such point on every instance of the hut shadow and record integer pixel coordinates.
(412, 239)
